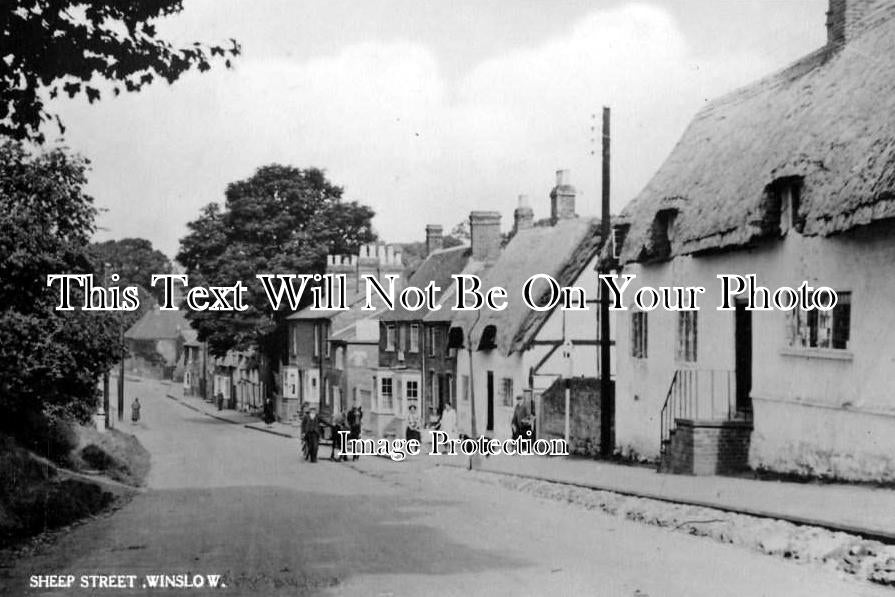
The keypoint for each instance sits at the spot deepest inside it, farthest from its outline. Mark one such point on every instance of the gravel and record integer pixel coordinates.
(850, 554)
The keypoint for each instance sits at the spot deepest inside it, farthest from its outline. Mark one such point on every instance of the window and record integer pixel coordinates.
(464, 388)
(488, 340)
(638, 334)
(294, 339)
(433, 338)
(822, 329)
(506, 391)
(386, 395)
(686, 336)
(413, 389)
(788, 194)
(326, 347)
(434, 387)
(316, 340)
(619, 231)
(414, 337)
(390, 337)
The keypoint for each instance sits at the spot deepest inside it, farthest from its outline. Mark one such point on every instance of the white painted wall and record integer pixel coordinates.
(823, 412)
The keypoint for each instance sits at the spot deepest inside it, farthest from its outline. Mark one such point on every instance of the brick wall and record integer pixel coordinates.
(584, 414)
(709, 447)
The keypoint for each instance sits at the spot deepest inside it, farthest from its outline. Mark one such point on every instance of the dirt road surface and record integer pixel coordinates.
(230, 501)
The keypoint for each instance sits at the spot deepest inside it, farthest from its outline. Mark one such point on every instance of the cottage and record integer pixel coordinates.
(520, 350)
(155, 344)
(791, 179)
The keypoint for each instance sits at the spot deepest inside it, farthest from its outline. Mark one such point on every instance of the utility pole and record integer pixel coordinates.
(121, 373)
(607, 399)
(106, 267)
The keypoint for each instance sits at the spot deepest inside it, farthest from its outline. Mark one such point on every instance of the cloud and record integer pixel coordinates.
(399, 135)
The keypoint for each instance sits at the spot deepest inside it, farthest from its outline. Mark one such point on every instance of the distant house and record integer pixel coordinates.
(520, 351)
(415, 366)
(311, 373)
(793, 179)
(155, 344)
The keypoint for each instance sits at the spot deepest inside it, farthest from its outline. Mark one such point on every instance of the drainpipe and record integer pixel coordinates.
(474, 459)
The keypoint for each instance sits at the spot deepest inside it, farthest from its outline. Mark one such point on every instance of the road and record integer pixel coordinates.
(226, 500)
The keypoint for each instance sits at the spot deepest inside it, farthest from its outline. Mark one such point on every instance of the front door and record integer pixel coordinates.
(743, 357)
(490, 392)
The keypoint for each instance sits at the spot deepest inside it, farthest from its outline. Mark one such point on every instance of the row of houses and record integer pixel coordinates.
(791, 178)
(476, 361)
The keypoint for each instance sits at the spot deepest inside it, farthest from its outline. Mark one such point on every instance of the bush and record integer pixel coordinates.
(50, 437)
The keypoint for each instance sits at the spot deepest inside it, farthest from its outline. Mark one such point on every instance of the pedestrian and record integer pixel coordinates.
(135, 411)
(413, 425)
(268, 411)
(355, 420)
(339, 424)
(521, 422)
(311, 432)
(448, 420)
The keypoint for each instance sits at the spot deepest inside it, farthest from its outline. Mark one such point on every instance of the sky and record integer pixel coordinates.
(424, 110)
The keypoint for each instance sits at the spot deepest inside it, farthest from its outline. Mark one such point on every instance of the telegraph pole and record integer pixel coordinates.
(607, 399)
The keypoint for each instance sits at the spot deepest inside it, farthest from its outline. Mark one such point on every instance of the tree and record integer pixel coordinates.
(135, 260)
(280, 220)
(50, 360)
(53, 46)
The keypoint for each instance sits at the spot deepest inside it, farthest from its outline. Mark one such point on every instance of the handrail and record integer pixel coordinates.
(698, 393)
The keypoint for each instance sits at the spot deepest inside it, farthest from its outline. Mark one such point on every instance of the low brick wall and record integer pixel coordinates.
(584, 415)
(709, 447)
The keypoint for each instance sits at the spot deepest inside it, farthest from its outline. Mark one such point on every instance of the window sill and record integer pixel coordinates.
(834, 354)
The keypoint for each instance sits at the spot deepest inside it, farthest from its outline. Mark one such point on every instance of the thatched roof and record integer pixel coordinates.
(156, 324)
(562, 251)
(827, 119)
(438, 268)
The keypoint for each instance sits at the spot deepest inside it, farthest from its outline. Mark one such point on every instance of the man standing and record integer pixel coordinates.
(521, 423)
(311, 432)
(355, 418)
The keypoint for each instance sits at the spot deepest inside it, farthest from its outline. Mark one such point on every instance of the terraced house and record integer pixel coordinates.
(416, 366)
(791, 178)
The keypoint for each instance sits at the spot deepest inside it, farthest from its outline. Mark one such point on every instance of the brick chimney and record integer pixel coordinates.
(484, 230)
(562, 198)
(846, 18)
(524, 216)
(434, 238)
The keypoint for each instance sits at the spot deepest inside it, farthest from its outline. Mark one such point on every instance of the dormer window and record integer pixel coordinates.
(488, 341)
(788, 194)
(663, 234)
(619, 231)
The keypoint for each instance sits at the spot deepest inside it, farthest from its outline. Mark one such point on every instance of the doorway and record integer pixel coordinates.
(490, 393)
(743, 358)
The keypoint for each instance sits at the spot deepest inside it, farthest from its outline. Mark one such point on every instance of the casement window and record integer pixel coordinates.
(386, 394)
(638, 334)
(390, 337)
(506, 391)
(414, 337)
(822, 329)
(412, 389)
(686, 336)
